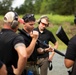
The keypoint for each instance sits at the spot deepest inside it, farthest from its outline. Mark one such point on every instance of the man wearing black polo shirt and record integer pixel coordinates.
(45, 36)
(70, 56)
(12, 48)
(30, 38)
(31, 42)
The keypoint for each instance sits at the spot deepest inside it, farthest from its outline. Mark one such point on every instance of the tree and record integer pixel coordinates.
(27, 7)
(62, 7)
(37, 6)
(5, 6)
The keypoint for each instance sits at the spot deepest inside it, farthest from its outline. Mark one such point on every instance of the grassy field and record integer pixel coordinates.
(67, 22)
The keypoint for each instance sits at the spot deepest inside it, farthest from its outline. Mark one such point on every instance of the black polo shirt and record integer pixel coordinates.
(8, 55)
(45, 37)
(71, 53)
(71, 49)
(28, 39)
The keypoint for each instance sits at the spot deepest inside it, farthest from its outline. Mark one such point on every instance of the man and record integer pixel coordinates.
(45, 36)
(12, 48)
(70, 56)
(3, 70)
(31, 42)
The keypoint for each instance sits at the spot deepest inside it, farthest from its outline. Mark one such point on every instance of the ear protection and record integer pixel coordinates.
(15, 22)
(39, 21)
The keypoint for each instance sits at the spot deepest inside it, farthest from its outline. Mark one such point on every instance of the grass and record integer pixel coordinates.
(58, 19)
(1, 17)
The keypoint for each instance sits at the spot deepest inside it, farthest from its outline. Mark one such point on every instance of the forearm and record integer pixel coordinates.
(21, 65)
(31, 47)
(3, 70)
(56, 45)
(68, 63)
(52, 54)
(22, 59)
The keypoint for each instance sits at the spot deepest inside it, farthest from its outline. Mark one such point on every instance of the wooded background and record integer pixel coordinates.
(61, 7)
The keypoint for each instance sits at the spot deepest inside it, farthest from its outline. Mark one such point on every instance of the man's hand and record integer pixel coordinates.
(15, 71)
(3, 70)
(34, 34)
(50, 49)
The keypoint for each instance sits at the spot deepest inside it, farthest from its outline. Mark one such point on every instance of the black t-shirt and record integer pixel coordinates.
(1, 64)
(28, 39)
(74, 69)
(45, 37)
(71, 49)
(8, 55)
(71, 53)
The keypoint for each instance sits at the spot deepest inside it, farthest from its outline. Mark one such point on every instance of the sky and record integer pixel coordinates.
(17, 3)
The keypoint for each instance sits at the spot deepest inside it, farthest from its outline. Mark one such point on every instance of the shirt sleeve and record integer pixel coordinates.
(52, 38)
(18, 39)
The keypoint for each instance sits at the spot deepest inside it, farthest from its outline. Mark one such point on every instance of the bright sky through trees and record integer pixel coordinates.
(17, 3)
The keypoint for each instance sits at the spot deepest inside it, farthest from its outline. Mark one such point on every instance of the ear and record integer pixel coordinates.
(14, 24)
(39, 21)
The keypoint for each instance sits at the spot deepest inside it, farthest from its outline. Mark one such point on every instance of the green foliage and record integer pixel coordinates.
(5, 6)
(59, 19)
(61, 7)
(37, 6)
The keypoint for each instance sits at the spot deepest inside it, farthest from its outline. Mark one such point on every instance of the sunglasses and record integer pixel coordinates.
(29, 16)
(45, 24)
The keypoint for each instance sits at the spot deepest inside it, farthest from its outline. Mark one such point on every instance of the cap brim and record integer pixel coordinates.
(20, 20)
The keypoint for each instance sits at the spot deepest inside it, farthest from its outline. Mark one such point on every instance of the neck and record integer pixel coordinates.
(27, 31)
(40, 30)
(6, 27)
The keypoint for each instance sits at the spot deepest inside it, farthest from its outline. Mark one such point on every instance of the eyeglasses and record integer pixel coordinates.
(45, 24)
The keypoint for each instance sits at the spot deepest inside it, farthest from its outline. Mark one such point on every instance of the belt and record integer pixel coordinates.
(43, 58)
(31, 63)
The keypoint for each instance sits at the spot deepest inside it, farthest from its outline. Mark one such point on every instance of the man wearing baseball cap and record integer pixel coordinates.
(12, 48)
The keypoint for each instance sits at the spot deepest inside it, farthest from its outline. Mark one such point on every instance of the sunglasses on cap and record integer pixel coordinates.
(28, 16)
(45, 24)
(31, 15)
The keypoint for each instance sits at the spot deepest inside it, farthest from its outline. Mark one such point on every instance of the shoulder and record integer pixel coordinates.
(72, 40)
(18, 36)
(48, 32)
(18, 39)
